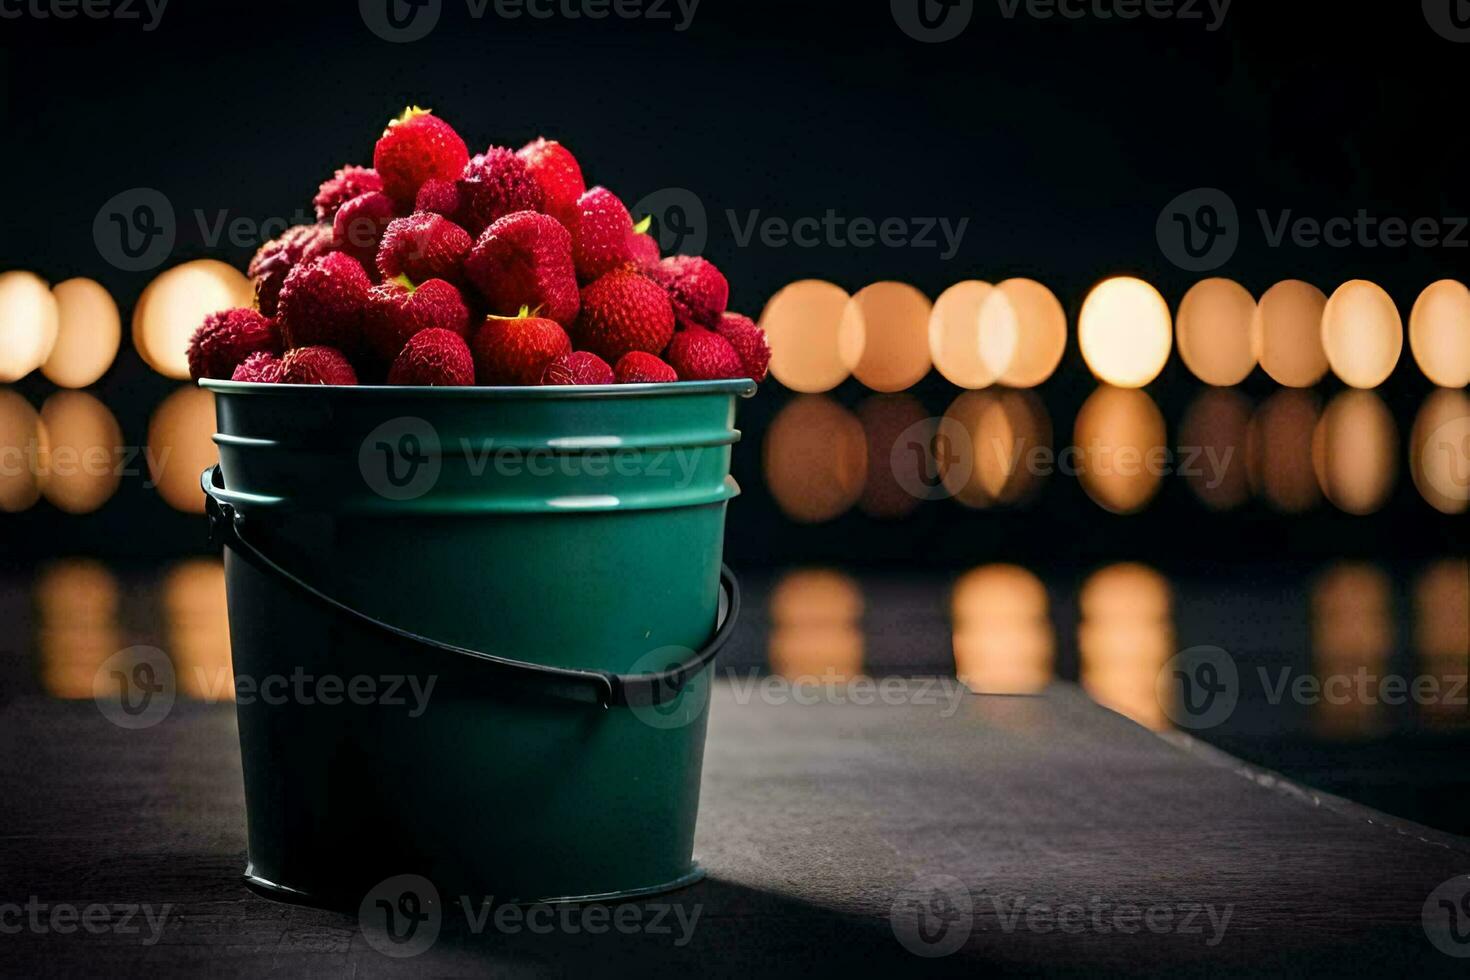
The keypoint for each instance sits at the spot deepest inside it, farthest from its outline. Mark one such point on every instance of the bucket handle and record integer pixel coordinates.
(600, 687)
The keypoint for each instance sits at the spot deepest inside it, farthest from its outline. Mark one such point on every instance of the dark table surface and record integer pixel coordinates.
(1035, 834)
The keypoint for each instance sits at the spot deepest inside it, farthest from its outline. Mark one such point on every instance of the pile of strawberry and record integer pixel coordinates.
(438, 268)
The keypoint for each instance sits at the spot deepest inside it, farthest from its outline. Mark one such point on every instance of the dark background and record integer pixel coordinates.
(1060, 140)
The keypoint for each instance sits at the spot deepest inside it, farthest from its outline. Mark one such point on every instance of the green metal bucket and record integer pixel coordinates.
(471, 631)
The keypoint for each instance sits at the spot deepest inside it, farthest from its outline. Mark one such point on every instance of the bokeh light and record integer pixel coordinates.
(1288, 330)
(1212, 448)
(82, 465)
(884, 419)
(816, 626)
(22, 447)
(1125, 637)
(1120, 440)
(1352, 621)
(1125, 333)
(954, 336)
(1442, 612)
(174, 304)
(1023, 332)
(88, 336)
(198, 628)
(1006, 430)
(1439, 333)
(1439, 450)
(1214, 327)
(884, 337)
(77, 627)
(1362, 333)
(803, 323)
(181, 446)
(1355, 451)
(28, 324)
(816, 459)
(1352, 633)
(1279, 451)
(1003, 640)
(1442, 636)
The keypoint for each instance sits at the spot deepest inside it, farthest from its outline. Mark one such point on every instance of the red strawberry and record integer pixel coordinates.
(703, 355)
(276, 258)
(558, 174)
(438, 196)
(262, 367)
(433, 357)
(601, 234)
(316, 365)
(750, 343)
(644, 249)
(360, 224)
(525, 259)
(416, 147)
(580, 367)
(495, 183)
(343, 186)
(698, 290)
(424, 246)
(225, 339)
(397, 310)
(517, 350)
(639, 367)
(322, 303)
(623, 311)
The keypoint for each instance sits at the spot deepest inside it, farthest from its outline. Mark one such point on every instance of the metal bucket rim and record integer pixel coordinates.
(744, 387)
